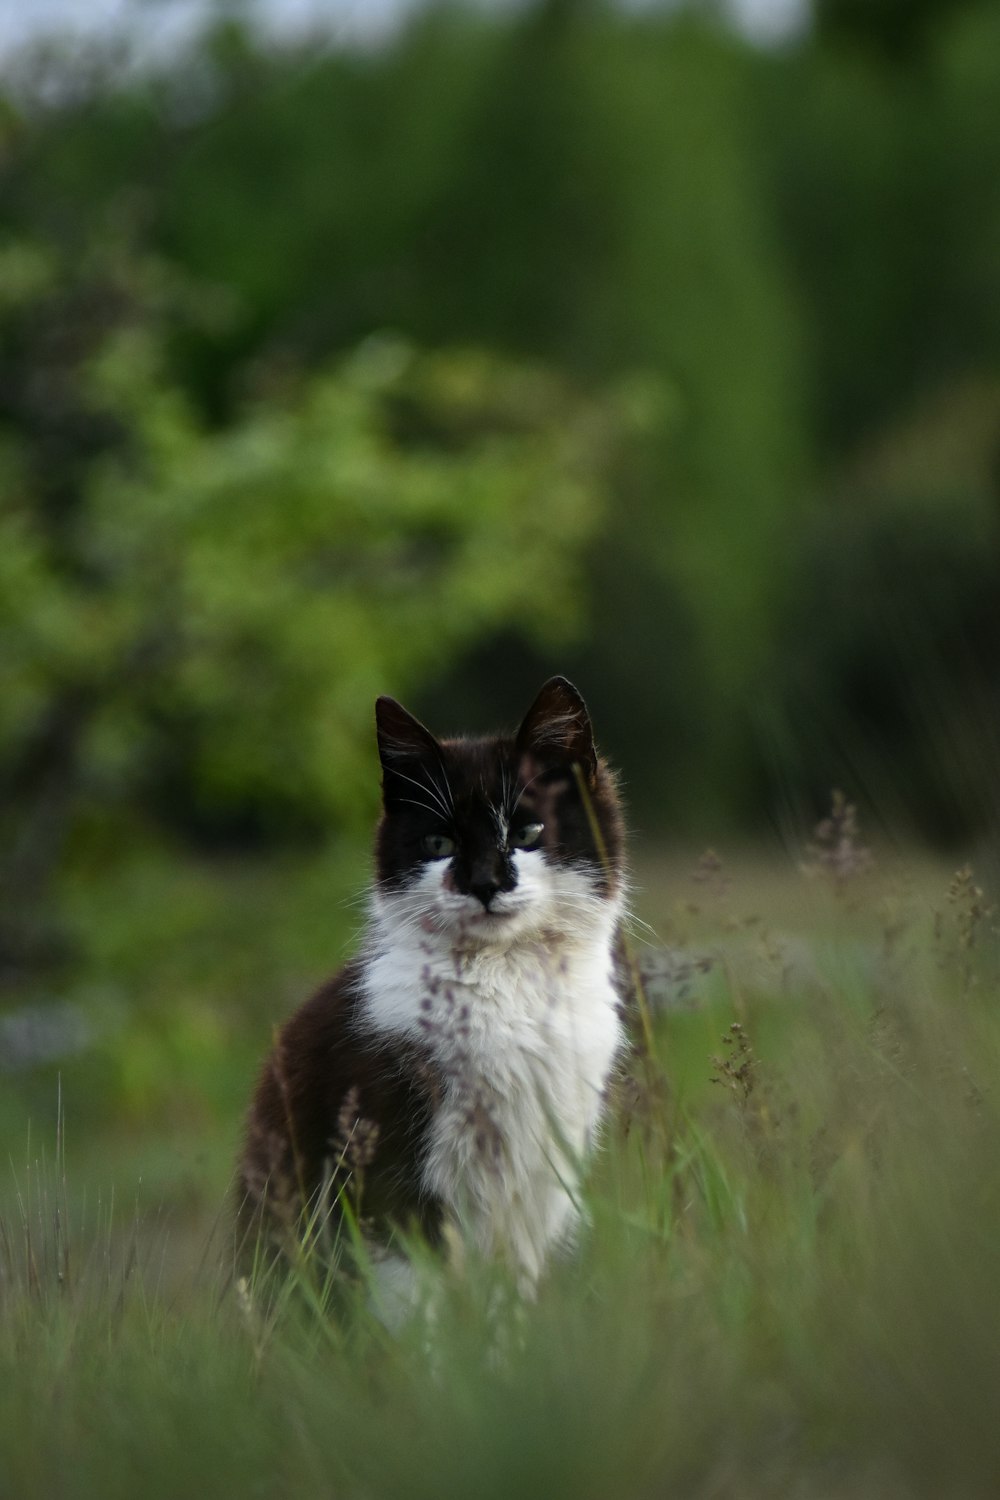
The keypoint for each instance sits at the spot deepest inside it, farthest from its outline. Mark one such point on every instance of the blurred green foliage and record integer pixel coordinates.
(197, 621)
(564, 337)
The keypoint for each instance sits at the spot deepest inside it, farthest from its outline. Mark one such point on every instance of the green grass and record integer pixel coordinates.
(789, 1285)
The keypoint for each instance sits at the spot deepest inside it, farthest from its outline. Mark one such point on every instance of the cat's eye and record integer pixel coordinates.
(438, 846)
(526, 836)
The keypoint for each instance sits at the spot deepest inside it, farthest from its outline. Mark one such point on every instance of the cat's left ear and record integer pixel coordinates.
(556, 728)
(401, 736)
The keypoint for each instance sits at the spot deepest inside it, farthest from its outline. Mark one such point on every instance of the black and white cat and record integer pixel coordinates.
(456, 1072)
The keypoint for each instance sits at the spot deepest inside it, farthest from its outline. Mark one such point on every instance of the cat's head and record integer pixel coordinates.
(495, 840)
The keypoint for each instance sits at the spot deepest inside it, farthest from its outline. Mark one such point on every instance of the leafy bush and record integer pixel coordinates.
(197, 619)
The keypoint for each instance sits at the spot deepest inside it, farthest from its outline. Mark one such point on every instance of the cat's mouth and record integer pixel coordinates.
(489, 927)
(484, 918)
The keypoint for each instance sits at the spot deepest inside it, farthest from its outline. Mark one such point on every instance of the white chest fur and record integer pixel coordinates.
(525, 1037)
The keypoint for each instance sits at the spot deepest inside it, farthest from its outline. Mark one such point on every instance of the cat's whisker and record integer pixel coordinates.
(563, 905)
(505, 787)
(641, 930)
(444, 791)
(414, 802)
(527, 785)
(430, 785)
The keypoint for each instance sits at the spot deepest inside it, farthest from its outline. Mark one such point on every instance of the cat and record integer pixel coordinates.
(451, 1080)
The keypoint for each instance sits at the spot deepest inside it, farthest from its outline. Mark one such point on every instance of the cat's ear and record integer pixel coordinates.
(400, 735)
(556, 729)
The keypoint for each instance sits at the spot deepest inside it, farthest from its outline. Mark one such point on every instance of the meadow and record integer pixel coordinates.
(788, 1285)
(593, 339)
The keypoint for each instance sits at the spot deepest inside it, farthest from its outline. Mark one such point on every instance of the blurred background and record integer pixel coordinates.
(430, 349)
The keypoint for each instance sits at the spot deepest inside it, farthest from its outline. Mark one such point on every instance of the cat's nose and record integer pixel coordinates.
(485, 892)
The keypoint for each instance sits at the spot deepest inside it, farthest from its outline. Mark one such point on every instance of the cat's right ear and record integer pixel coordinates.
(401, 737)
(556, 729)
